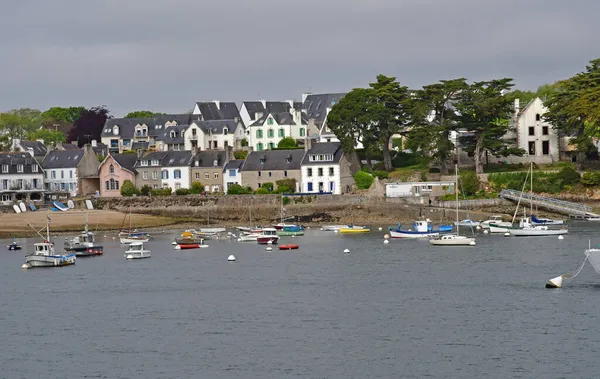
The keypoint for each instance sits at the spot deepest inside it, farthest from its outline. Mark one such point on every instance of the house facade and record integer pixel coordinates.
(113, 171)
(325, 168)
(176, 170)
(71, 172)
(266, 132)
(207, 168)
(269, 166)
(214, 135)
(171, 138)
(149, 167)
(232, 173)
(21, 178)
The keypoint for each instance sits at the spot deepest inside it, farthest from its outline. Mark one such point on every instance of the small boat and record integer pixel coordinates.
(250, 237)
(288, 247)
(539, 230)
(14, 246)
(592, 218)
(212, 230)
(333, 228)
(282, 225)
(136, 250)
(354, 229)
(184, 246)
(291, 231)
(453, 240)
(423, 229)
(467, 222)
(44, 255)
(494, 219)
(445, 228)
(247, 229)
(133, 239)
(83, 245)
(545, 221)
(268, 235)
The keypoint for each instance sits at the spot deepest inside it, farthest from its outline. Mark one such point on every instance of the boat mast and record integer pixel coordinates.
(282, 209)
(456, 191)
(86, 222)
(531, 190)
(48, 228)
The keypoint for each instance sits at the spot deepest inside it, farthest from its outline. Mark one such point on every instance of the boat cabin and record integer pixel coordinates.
(269, 232)
(43, 248)
(422, 226)
(136, 246)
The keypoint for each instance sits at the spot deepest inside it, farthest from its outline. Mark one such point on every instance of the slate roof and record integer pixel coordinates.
(207, 158)
(155, 124)
(316, 106)
(234, 164)
(223, 111)
(100, 148)
(217, 126)
(252, 107)
(177, 159)
(334, 148)
(165, 134)
(127, 161)
(14, 159)
(284, 118)
(155, 155)
(274, 160)
(39, 149)
(69, 146)
(229, 110)
(62, 159)
(141, 145)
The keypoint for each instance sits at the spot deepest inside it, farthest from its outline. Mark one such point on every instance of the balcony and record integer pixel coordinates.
(14, 186)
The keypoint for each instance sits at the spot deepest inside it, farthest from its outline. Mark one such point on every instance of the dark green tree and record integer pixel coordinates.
(287, 143)
(142, 114)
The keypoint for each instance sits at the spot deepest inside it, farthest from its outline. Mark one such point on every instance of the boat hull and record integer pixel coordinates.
(333, 228)
(409, 234)
(354, 230)
(290, 233)
(186, 246)
(212, 230)
(86, 251)
(50, 260)
(536, 232)
(288, 247)
(126, 240)
(263, 240)
(14, 247)
(137, 254)
(593, 256)
(501, 228)
(460, 241)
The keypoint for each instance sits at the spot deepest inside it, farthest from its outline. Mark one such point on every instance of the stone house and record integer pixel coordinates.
(113, 171)
(71, 172)
(269, 166)
(148, 167)
(207, 168)
(232, 173)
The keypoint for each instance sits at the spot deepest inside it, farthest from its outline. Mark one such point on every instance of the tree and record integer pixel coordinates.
(435, 119)
(48, 136)
(127, 188)
(196, 188)
(363, 179)
(17, 123)
(240, 154)
(484, 113)
(143, 114)
(287, 143)
(59, 114)
(89, 125)
(236, 189)
(469, 183)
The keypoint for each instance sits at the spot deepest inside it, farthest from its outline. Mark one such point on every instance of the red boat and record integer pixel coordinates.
(183, 246)
(268, 234)
(288, 247)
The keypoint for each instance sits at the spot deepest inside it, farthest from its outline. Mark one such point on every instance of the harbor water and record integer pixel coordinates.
(399, 310)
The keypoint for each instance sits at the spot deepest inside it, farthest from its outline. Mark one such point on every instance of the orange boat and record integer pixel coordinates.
(288, 247)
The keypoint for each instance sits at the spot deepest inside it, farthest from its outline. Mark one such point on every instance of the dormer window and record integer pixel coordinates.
(144, 132)
(116, 130)
(225, 131)
(34, 168)
(144, 163)
(19, 168)
(154, 162)
(173, 134)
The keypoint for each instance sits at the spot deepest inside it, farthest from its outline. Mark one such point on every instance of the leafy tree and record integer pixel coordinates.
(469, 183)
(568, 175)
(590, 179)
(289, 185)
(484, 113)
(59, 114)
(49, 136)
(435, 119)
(17, 123)
(142, 114)
(236, 189)
(89, 125)
(287, 143)
(268, 186)
(363, 179)
(145, 190)
(196, 188)
(127, 188)
(244, 142)
(240, 154)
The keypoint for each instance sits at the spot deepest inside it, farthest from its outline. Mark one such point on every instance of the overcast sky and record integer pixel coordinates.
(165, 55)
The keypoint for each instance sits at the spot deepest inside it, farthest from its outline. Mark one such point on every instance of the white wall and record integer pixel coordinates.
(231, 179)
(188, 135)
(171, 182)
(66, 176)
(528, 119)
(325, 179)
(27, 180)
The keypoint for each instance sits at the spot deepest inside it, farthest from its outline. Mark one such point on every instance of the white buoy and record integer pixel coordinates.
(507, 234)
(114, 238)
(268, 248)
(472, 243)
(561, 237)
(293, 236)
(386, 236)
(346, 251)
(25, 266)
(335, 231)
(173, 243)
(231, 258)
(380, 229)
(321, 229)
(269, 242)
(386, 241)
(177, 247)
(485, 231)
(555, 282)
(239, 240)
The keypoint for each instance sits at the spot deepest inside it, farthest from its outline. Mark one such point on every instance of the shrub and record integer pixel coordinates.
(196, 188)
(268, 186)
(244, 143)
(290, 184)
(287, 143)
(568, 175)
(434, 170)
(240, 154)
(381, 174)
(161, 192)
(145, 190)
(236, 189)
(590, 179)
(469, 183)
(423, 176)
(283, 189)
(262, 191)
(128, 189)
(182, 191)
(363, 179)
(286, 200)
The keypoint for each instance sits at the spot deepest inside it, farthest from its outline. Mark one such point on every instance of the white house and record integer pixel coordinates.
(326, 169)
(231, 173)
(21, 177)
(266, 132)
(213, 135)
(176, 170)
(65, 171)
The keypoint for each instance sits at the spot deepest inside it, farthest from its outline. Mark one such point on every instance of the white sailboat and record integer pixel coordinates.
(454, 239)
(496, 220)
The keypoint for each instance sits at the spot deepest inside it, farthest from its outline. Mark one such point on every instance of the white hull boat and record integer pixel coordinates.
(453, 240)
(592, 219)
(212, 230)
(50, 260)
(128, 240)
(533, 231)
(333, 228)
(137, 251)
(250, 237)
(466, 223)
(494, 219)
(410, 234)
(593, 256)
(500, 227)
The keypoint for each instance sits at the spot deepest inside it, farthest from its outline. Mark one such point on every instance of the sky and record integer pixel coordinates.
(165, 55)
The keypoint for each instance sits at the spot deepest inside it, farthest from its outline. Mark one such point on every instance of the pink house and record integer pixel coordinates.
(113, 171)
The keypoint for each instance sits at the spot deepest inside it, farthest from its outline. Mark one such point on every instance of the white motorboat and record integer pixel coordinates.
(494, 219)
(44, 255)
(333, 228)
(455, 239)
(466, 222)
(539, 230)
(593, 256)
(252, 237)
(133, 239)
(423, 229)
(137, 250)
(212, 230)
(592, 218)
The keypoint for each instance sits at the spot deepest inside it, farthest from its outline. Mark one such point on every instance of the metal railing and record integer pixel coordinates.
(561, 206)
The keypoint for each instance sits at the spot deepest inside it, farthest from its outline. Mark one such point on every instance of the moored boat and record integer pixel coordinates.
(13, 246)
(333, 228)
(453, 240)
(467, 222)
(283, 225)
(545, 221)
(212, 230)
(44, 255)
(291, 231)
(539, 230)
(423, 229)
(84, 244)
(494, 219)
(288, 247)
(133, 239)
(137, 250)
(354, 229)
(268, 235)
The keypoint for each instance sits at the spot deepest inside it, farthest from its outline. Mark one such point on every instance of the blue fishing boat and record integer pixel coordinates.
(422, 229)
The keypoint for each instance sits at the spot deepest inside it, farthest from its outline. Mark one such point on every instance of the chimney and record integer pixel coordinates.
(94, 143)
(229, 156)
(307, 142)
(139, 153)
(517, 107)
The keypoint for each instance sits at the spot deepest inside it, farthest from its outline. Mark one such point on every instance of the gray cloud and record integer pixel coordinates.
(165, 55)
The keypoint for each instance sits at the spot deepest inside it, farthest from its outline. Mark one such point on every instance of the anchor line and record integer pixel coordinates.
(567, 276)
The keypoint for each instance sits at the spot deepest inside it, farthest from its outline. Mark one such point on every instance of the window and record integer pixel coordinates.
(206, 175)
(270, 121)
(545, 147)
(177, 174)
(532, 148)
(259, 133)
(262, 160)
(320, 170)
(126, 142)
(194, 132)
(165, 174)
(538, 117)
(269, 174)
(143, 163)
(53, 174)
(545, 130)
(225, 131)
(155, 175)
(285, 173)
(259, 173)
(309, 172)
(34, 168)
(309, 187)
(301, 132)
(232, 172)
(114, 185)
(145, 175)
(259, 185)
(107, 185)
(155, 162)
(330, 171)
(155, 186)
(271, 145)
(197, 175)
(70, 174)
(270, 133)
(177, 185)
(281, 133)
(259, 147)
(320, 186)
(531, 131)
(5, 168)
(19, 168)
(62, 174)
(216, 176)
(331, 186)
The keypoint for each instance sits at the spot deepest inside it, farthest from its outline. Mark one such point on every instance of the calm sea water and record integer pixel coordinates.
(405, 309)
